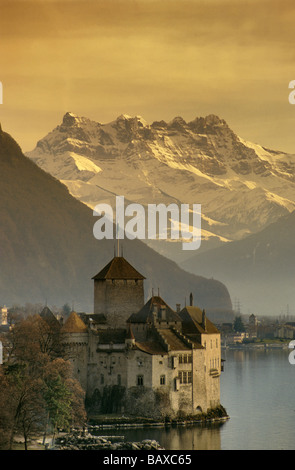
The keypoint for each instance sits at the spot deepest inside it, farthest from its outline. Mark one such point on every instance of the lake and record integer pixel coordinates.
(257, 390)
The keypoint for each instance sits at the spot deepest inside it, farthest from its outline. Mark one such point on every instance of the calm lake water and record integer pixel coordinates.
(257, 390)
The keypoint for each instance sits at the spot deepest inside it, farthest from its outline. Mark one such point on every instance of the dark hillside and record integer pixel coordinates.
(48, 251)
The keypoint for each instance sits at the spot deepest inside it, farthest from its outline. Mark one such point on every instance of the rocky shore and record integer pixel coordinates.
(91, 437)
(87, 441)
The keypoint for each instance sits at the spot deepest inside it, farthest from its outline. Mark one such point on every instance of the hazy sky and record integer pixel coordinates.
(158, 59)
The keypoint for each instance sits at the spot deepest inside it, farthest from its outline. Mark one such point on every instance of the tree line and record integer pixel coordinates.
(38, 392)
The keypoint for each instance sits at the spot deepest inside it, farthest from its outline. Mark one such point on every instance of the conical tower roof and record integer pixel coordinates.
(50, 318)
(74, 324)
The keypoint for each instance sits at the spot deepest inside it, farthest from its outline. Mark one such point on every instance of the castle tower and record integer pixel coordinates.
(118, 291)
(75, 340)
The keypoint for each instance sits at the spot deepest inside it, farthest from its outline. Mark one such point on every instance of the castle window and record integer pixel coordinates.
(119, 379)
(185, 359)
(140, 380)
(162, 380)
(185, 377)
(101, 379)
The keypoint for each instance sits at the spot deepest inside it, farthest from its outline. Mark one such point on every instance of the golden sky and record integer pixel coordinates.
(154, 58)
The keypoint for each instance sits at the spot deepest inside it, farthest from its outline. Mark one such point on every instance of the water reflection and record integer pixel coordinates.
(257, 390)
(195, 437)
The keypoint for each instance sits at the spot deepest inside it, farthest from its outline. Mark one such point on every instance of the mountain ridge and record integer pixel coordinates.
(242, 186)
(48, 250)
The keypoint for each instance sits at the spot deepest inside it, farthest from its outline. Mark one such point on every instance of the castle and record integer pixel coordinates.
(142, 358)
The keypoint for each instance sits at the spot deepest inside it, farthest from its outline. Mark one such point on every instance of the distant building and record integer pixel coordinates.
(285, 331)
(142, 358)
(252, 326)
(3, 316)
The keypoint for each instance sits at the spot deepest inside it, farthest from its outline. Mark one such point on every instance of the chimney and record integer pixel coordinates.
(191, 299)
(177, 308)
(204, 320)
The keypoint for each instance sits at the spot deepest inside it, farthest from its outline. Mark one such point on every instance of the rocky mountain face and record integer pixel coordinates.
(242, 187)
(48, 251)
(246, 192)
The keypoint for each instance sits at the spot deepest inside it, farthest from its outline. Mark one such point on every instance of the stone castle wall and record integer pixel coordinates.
(118, 299)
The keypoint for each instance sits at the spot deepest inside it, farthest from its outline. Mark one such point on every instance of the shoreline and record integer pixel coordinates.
(90, 436)
(99, 422)
(153, 424)
(258, 345)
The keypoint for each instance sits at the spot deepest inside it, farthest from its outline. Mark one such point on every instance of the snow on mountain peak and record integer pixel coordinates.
(124, 117)
(209, 124)
(138, 119)
(240, 185)
(141, 121)
(213, 119)
(71, 119)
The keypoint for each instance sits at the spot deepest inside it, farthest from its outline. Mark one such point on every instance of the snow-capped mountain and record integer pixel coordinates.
(242, 187)
(48, 251)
